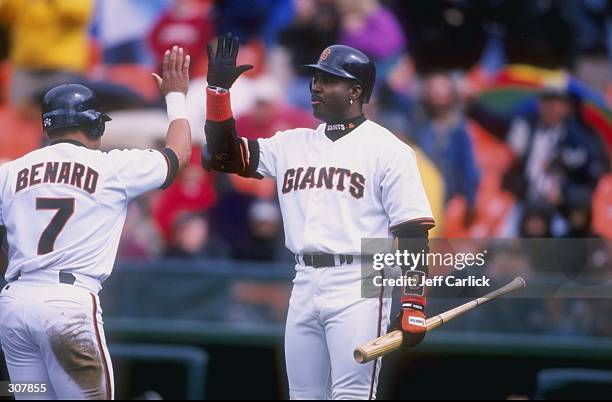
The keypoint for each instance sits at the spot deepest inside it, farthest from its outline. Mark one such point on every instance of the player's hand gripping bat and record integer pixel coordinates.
(393, 340)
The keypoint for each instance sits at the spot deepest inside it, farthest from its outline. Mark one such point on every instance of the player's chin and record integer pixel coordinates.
(319, 111)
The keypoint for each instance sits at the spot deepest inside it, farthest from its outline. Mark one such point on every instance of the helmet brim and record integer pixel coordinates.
(330, 70)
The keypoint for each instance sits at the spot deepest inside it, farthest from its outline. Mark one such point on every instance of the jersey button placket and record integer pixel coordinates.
(313, 201)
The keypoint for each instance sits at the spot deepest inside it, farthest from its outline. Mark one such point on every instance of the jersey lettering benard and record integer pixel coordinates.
(335, 193)
(64, 206)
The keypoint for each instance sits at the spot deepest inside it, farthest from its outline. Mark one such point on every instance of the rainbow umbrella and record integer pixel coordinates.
(514, 90)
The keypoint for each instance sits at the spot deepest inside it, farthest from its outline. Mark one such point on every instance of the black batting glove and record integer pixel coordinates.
(222, 70)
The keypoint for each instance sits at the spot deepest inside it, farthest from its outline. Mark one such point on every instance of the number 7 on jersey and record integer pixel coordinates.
(65, 209)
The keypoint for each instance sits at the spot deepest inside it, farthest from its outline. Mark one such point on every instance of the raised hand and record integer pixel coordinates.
(175, 72)
(222, 70)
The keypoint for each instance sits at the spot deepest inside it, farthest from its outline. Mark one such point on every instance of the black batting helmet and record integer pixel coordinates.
(344, 61)
(73, 105)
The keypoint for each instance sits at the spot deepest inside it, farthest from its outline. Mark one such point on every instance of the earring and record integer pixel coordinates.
(351, 101)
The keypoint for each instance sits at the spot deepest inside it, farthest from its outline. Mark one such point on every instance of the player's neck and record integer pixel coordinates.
(344, 117)
(77, 138)
(358, 116)
(335, 131)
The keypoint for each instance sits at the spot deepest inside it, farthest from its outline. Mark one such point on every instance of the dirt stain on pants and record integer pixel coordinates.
(74, 345)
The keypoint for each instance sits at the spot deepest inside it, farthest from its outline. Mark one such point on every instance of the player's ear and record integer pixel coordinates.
(356, 91)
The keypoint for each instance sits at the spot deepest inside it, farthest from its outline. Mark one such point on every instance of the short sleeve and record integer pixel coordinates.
(143, 170)
(403, 194)
(269, 149)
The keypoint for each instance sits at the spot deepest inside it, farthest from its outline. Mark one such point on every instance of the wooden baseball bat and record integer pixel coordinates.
(393, 340)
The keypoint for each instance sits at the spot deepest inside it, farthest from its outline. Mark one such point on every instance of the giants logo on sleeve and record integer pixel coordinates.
(336, 178)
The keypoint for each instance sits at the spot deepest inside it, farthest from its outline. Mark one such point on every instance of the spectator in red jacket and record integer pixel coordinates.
(270, 112)
(186, 23)
(192, 191)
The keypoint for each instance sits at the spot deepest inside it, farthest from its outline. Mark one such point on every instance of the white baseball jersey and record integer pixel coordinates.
(334, 193)
(64, 206)
(335, 190)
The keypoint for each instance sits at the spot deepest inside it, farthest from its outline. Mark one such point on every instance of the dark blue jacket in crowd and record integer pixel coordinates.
(579, 158)
(455, 161)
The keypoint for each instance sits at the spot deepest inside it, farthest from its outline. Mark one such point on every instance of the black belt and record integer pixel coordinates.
(64, 277)
(323, 260)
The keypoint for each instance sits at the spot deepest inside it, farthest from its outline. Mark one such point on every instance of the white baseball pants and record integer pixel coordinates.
(53, 334)
(327, 319)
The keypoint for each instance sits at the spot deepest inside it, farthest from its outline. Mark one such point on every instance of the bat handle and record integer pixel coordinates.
(378, 347)
(393, 340)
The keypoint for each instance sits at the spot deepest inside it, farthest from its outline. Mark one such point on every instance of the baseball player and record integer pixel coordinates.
(346, 180)
(63, 208)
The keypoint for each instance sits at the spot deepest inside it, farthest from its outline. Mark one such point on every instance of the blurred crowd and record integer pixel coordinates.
(506, 103)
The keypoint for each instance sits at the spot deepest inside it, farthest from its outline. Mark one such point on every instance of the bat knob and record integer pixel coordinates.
(359, 356)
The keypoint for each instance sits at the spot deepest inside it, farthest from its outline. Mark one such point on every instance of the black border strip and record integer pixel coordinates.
(428, 223)
(107, 377)
(253, 159)
(378, 334)
(173, 164)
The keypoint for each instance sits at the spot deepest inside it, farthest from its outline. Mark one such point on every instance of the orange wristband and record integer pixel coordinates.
(218, 105)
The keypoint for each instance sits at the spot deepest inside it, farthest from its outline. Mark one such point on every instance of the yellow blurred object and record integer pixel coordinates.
(48, 34)
(434, 187)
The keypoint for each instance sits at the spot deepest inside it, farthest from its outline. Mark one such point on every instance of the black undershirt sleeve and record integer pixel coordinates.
(413, 237)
